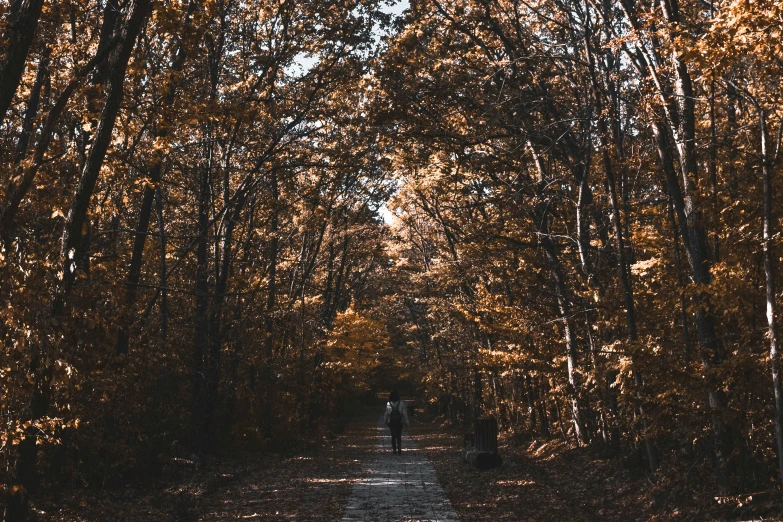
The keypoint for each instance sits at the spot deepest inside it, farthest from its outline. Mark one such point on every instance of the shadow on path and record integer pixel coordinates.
(397, 487)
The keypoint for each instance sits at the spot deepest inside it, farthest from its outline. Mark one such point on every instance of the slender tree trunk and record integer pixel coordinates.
(564, 314)
(711, 350)
(271, 300)
(72, 250)
(531, 404)
(139, 239)
(768, 232)
(164, 302)
(216, 333)
(622, 262)
(111, 17)
(613, 412)
(18, 38)
(562, 302)
(541, 391)
(630, 307)
(30, 113)
(686, 335)
(150, 189)
(712, 171)
(18, 192)
(584, 201)
(200, 322)
(478, 394)
(23, 481)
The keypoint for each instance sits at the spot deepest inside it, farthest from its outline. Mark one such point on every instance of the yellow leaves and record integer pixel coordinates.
(145, 182)
(353, 332)
(18, 490)
(46, 430)
(513, 357)
(642, 268)
(161, 144)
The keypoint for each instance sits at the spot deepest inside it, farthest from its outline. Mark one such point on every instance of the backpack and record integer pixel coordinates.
(395, 417)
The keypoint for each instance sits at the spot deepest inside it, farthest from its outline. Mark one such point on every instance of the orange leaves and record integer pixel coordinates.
(355, 332)
(47, 428)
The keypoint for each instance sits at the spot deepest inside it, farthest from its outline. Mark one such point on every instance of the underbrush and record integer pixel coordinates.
(296, 477)
(552, 479)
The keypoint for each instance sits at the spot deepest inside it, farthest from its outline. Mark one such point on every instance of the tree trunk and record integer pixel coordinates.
(271, 300)
(23, 481)
(623, 267)
(630, 308)
(72, 249)
(541, 391)
(200, 322)
(695, 246)
(31, 111)
(18, 37)
(18, 192)
(139, 239)
(531, 405)
(164, 302)
(686, 335)
(150, 189)
(562, 302)
(768, 233)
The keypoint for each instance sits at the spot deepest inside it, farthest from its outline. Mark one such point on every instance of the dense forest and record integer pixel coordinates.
(221, 221)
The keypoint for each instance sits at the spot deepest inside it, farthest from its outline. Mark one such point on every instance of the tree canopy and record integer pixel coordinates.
(223, 220)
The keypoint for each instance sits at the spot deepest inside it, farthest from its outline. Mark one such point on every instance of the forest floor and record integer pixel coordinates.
(541, 481)
(310, 485)
(549, 480)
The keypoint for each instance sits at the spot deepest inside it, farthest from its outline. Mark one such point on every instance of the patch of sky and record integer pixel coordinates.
(386, 214)
(303, 62)
(396, 8)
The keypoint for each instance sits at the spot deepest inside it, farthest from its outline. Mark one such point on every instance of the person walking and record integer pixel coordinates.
(395, 417)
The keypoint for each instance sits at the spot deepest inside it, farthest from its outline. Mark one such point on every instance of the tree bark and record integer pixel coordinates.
(19, 36)
(768, 234)
(271, 300)
(31, 111)
(200, 322)
(542, 219)
(150, 190)
(72, 249)
(695, 246)
(623, 267)
(164, 301)
(18, 192)
(23, 481)
(139, 239)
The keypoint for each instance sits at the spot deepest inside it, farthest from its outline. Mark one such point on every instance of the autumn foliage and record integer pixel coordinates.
(222, 221)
